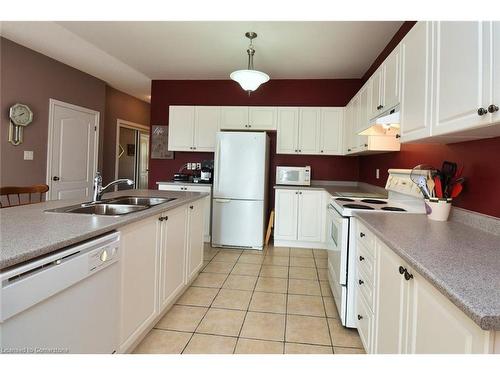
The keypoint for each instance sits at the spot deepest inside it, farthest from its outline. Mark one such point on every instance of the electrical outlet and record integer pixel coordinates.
(377, 173)
(28, 155)
(198, 166)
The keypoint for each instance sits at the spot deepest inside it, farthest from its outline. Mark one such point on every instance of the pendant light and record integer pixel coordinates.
(250, 79)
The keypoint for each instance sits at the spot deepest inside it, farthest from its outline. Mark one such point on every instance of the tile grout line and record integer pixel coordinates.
(324, 308)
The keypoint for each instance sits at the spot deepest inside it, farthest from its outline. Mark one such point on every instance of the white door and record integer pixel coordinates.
(139, 279)
(181, 128)
(310, 217)
(392, 303)
(262, 118)
(309, 118)
(195, 239)
(72, 150)
(392, 79)
(285, 222)
(172, 254)
(416, 52)
(332, 124)
(240, 165)
(235, 118)
(288, 130)
(206, 126)
(459, 85)
(143, 160)
(238, 223)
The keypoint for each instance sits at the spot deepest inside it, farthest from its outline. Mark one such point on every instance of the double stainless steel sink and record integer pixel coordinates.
(114, 206)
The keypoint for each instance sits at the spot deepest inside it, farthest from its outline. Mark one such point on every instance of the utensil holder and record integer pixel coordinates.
(438, 208)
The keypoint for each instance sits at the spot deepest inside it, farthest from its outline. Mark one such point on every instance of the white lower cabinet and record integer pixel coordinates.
(299, 217)
(160, 257)
(139, 279)
(207, 208)
(407, 314)
(172, 254)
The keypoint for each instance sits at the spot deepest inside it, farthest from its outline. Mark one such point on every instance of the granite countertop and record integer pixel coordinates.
(182, 183)
(335, 187)
(27, 232)
(462, 262)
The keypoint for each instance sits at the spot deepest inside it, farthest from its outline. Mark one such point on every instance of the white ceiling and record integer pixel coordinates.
(128, 55)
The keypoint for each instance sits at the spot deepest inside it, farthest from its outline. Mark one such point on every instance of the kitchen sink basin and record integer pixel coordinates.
(142, 201)
(106, 209)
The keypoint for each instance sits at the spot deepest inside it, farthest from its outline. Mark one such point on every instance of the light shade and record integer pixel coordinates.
(249, 80)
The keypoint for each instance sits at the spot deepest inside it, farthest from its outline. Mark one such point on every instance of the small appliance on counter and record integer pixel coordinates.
(207, 171)
(300, 176)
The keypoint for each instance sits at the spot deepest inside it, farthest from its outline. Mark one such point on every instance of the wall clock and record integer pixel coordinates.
(20, 116)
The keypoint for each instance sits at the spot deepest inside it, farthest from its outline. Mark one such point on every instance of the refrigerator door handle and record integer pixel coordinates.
(218, 200)
(216, 167)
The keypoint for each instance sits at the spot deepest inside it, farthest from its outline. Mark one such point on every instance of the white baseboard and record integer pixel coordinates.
(301, 244)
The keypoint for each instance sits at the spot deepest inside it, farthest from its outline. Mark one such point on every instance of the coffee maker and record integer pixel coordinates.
(207, 171)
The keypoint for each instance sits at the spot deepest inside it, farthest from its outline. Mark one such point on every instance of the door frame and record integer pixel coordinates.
(52, 105)
(129, 125)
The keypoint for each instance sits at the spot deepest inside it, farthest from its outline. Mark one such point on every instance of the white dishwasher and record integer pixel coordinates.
(67, 302)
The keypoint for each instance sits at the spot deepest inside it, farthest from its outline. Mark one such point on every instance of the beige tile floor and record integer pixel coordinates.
(248, 302)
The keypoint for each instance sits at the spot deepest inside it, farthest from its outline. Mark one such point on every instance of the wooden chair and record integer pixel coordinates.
(7, 193)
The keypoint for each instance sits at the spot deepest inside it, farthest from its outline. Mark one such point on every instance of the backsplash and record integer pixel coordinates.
(480, 159)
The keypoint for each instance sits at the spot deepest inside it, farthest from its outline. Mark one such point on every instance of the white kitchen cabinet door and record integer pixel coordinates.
(417, 55)
(437, 326)
(309, 129)
(461, 84)
(350, 137)
(139, 279)
(206, 125)
(195, 238)
(392, 79)
(172, 254)
(181, 128)
(331, 131)
(311, 212)
(392, 304)
(287, 130)
(235, 118)
(262, 118)
(362, 116)
(495, 69)
(376, 105)
(285, 221)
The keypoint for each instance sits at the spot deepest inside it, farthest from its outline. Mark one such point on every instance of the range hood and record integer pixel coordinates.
(385, 124)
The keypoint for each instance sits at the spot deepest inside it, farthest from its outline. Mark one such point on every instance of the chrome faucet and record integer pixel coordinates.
(99, 190)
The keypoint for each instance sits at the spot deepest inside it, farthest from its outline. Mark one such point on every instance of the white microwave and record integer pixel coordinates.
(293, 176)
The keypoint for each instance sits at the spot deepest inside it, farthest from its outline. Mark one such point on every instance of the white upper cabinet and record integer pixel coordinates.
(461, 82)
(376, 105)
(363, 116)
(206, 125)
(193, 128)
(288, 130)
(392, 79)
(234, 118)
(331, 131)
(309, 130)
(416, 52)
(262, 118)
(495, 72)
(181, 128)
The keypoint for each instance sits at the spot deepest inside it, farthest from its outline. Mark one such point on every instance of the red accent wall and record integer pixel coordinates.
(480, 159)
(327, 92)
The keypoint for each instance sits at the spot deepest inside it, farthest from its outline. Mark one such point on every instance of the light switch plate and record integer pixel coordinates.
(28, 155)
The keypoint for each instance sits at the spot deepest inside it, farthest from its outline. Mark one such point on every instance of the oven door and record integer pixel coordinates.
(337, 244)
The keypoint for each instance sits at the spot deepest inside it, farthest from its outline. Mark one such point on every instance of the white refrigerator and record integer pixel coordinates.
(240, 185)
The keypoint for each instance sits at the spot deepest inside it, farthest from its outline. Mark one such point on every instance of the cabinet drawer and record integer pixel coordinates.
(364, 235)
(365, 288)
(364, 319)
(366, 261)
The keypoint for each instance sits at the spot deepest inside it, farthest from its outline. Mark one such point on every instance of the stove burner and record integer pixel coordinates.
(358, 206)
(345, 199)
(373, 201)
(389, 208)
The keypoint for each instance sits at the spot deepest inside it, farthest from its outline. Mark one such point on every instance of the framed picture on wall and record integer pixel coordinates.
(159, 143)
